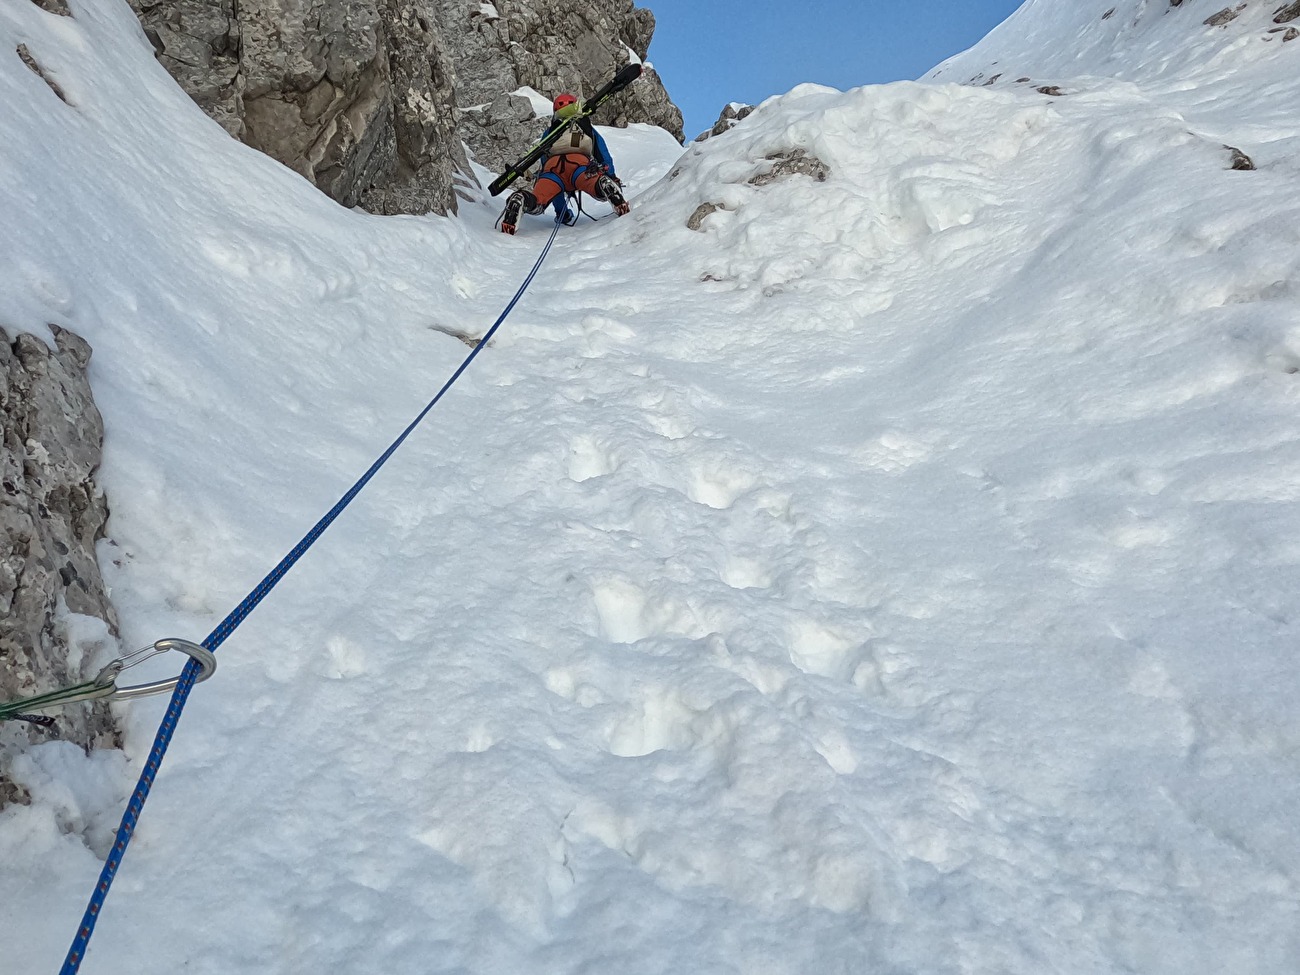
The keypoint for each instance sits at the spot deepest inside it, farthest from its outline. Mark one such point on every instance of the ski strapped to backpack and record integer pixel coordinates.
(617, 84)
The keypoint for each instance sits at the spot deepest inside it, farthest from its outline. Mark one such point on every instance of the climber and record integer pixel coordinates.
(577, 162)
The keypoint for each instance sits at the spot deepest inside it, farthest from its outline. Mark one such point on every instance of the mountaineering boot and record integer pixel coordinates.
(610, 192)
(520, 201)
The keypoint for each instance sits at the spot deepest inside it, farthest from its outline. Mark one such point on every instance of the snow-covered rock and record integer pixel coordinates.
(52, 515)
(734, 112)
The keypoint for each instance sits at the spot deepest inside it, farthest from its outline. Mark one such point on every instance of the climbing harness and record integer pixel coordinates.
(576, 199)
(196, 670)
(104, 685)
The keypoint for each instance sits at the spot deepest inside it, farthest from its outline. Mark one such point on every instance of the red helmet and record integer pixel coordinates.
(562, 102)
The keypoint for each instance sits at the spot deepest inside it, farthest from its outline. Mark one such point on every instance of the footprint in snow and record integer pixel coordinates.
(670, 427)
(589, 458)
(1283, 360)
(626, 613)
(660, 721)
(344, 658)
(824, 651)
(717, 486)
(740, 572)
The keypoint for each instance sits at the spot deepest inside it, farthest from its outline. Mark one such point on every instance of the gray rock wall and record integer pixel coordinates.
(430, 159)
(550, 46)
(338, 90)
(373, 100)
(51, 516)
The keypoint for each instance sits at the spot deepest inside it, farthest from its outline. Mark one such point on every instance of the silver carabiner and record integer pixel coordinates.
(205, 658)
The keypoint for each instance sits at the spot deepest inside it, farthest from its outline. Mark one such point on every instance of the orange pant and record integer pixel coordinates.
(572, 172)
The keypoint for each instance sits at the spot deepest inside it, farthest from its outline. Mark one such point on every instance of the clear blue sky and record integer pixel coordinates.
(710, 52)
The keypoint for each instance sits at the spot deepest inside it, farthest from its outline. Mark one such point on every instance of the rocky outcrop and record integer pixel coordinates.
(549, 46)
(498, 134)
(349, 93)
(774, 167)
(373, 100)
(1240, 161)
(1225, 16)
(791, 162)
(25, 55)
(197, 41)
(732, 114)
(430, 158)
(51, 516)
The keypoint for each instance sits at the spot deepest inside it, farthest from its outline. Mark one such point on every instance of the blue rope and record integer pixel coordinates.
(218, 636)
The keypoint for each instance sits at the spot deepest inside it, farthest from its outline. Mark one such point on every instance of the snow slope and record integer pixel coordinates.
(896, 575)
(1237, 77)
